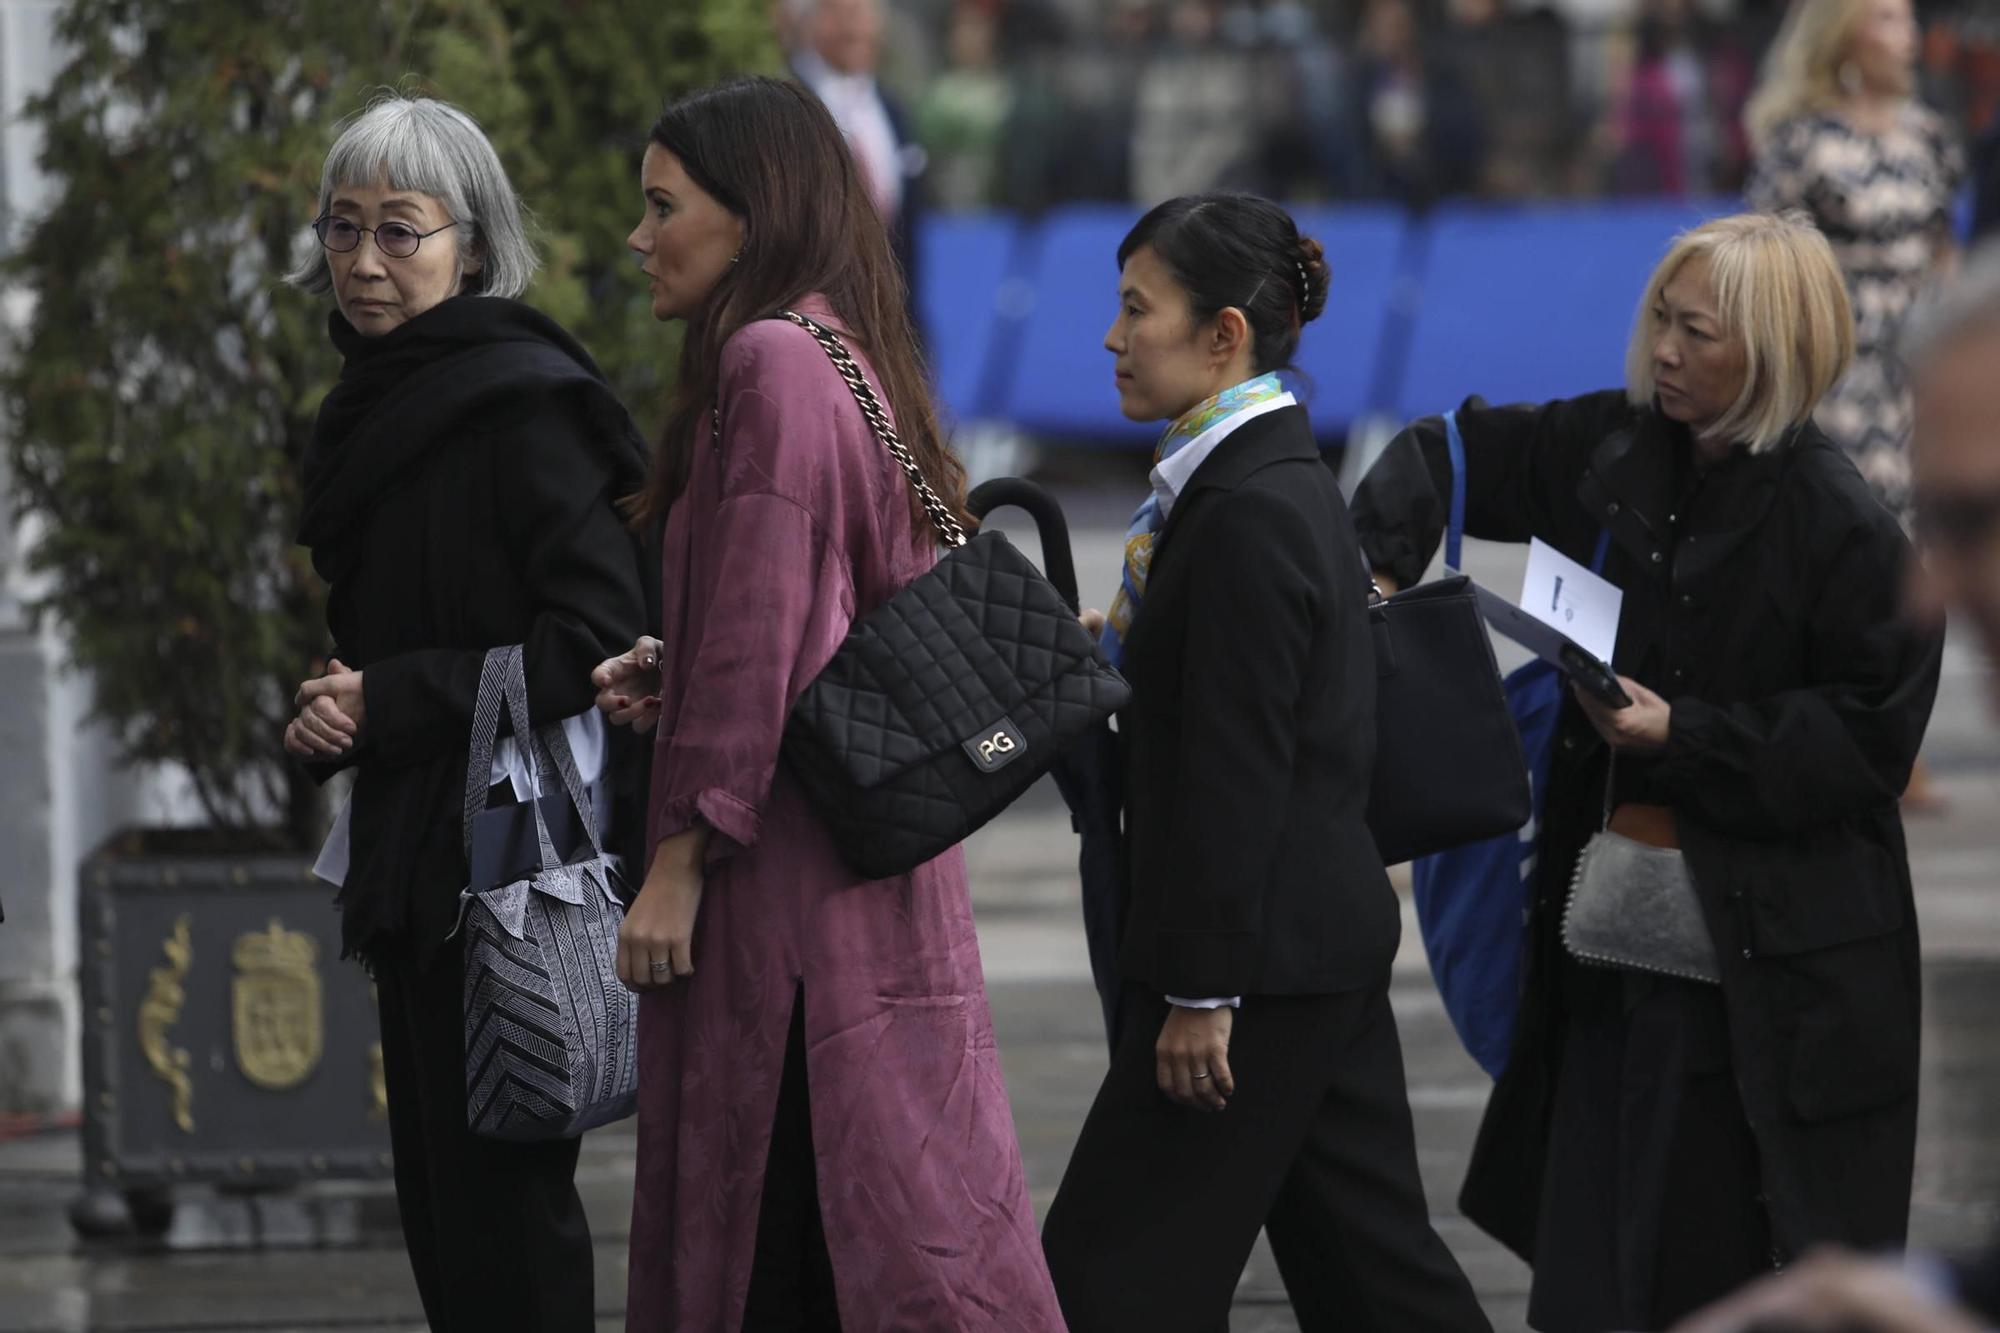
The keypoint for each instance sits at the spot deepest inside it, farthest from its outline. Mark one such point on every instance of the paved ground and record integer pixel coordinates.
(330, 1259)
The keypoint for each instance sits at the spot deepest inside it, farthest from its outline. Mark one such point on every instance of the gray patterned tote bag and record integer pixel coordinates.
(549, 1029)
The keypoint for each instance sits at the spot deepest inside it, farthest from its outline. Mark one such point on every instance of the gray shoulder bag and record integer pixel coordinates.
(1633, 905)
(549, 1028)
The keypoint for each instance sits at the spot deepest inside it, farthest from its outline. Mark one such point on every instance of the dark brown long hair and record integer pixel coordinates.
(769, 153)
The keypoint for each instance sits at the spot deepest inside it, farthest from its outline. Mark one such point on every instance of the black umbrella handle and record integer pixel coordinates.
(1058, 562)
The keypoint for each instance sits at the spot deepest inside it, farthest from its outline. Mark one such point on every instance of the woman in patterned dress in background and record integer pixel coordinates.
(1840, 135)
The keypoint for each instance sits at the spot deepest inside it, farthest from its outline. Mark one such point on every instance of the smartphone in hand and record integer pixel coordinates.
(1596, 678)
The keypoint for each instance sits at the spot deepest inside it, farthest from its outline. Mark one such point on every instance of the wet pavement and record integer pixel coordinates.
(329, 1257)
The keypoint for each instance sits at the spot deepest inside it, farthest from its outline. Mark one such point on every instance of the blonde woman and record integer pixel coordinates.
(1838, 133)
(1653, 1141)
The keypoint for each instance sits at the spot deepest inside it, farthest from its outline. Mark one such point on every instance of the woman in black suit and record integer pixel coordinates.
(1256, 1079)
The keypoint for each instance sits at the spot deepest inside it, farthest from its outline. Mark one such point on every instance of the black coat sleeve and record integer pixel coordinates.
(1979, 1284)
(1522, 466)
(1838, 746)
(578, 565)
(323, 769)
(1252, 604)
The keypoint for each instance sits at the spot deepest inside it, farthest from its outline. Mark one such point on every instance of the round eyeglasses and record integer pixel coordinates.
(398, 240)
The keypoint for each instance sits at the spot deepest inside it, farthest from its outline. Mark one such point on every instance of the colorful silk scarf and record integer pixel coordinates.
(1147, 522)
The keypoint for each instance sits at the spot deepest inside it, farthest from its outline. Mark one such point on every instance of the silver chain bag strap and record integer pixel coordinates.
(940, 513)
(871, 407)
(1633, 906)
(550, 1031)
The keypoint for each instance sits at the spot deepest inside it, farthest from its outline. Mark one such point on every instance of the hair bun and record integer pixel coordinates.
(1314, 278)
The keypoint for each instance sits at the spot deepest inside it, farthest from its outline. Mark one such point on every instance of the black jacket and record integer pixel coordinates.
(1764, 601)
(907, 233)
(1978, 1279)
(1250, 739)
(461, 495)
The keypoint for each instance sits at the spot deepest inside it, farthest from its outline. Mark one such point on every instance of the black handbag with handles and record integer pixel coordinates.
(949, 700)
(1448, 762)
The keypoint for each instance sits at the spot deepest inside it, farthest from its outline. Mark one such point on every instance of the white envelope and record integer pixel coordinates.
(1566, 596)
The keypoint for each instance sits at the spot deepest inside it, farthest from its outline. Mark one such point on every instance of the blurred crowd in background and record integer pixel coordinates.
(1028, 104)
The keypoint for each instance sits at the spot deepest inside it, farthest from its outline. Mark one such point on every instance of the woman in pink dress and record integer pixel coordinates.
(824, 1136)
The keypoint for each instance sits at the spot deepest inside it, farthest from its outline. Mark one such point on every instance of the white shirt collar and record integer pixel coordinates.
(823, 78)
(1171, 475)
(855, 102)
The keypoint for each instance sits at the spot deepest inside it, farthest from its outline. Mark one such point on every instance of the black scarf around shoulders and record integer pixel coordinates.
(403, 394)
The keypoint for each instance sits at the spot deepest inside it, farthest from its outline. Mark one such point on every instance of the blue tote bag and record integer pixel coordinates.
(1472, 901)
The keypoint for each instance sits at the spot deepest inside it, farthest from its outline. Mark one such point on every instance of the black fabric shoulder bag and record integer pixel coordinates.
(1449, 769)
(949, 700)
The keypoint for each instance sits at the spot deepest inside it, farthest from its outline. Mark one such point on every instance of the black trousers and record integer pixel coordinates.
(496, 1231)
(1161, 1204)
(791, 1273)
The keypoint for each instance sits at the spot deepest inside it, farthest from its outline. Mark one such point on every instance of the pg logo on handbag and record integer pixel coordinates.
(996, 746)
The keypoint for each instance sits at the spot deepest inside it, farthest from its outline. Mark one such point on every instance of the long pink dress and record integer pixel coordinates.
(797, 524)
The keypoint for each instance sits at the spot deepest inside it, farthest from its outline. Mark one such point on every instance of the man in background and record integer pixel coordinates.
(834, 47)
(1952, 349)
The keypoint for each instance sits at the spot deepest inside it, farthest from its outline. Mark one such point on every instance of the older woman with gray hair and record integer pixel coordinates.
(460, 494)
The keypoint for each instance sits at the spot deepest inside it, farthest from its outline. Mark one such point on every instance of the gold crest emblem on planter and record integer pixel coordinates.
(158, 1013)
(278, 1030)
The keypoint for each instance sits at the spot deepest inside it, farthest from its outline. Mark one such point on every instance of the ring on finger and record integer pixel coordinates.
(1199, 1077)
(656, 968)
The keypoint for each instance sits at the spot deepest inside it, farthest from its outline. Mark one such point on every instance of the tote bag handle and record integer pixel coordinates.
(1454, 533)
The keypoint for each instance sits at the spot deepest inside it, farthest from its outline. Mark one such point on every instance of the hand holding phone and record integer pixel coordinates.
(1642, 724)
(1594, 677)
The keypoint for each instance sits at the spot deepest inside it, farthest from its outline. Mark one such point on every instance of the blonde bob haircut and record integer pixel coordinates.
(1802, 72)
(1776, 286)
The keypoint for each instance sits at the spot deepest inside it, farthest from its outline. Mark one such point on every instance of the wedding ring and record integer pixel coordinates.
(1199, 1077)
(657, 968)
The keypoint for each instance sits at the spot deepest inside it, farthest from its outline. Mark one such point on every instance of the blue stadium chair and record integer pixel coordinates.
(1060, 383)
(964, 261)
(1342, 354)
(1529, 304)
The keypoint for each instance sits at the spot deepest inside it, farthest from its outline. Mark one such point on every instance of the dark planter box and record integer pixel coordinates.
(224, 1041)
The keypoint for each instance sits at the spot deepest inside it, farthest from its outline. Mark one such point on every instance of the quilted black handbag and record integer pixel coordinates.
(949, 700)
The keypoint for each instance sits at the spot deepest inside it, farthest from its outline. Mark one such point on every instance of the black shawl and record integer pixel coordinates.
(404, 392)
(457, 496)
